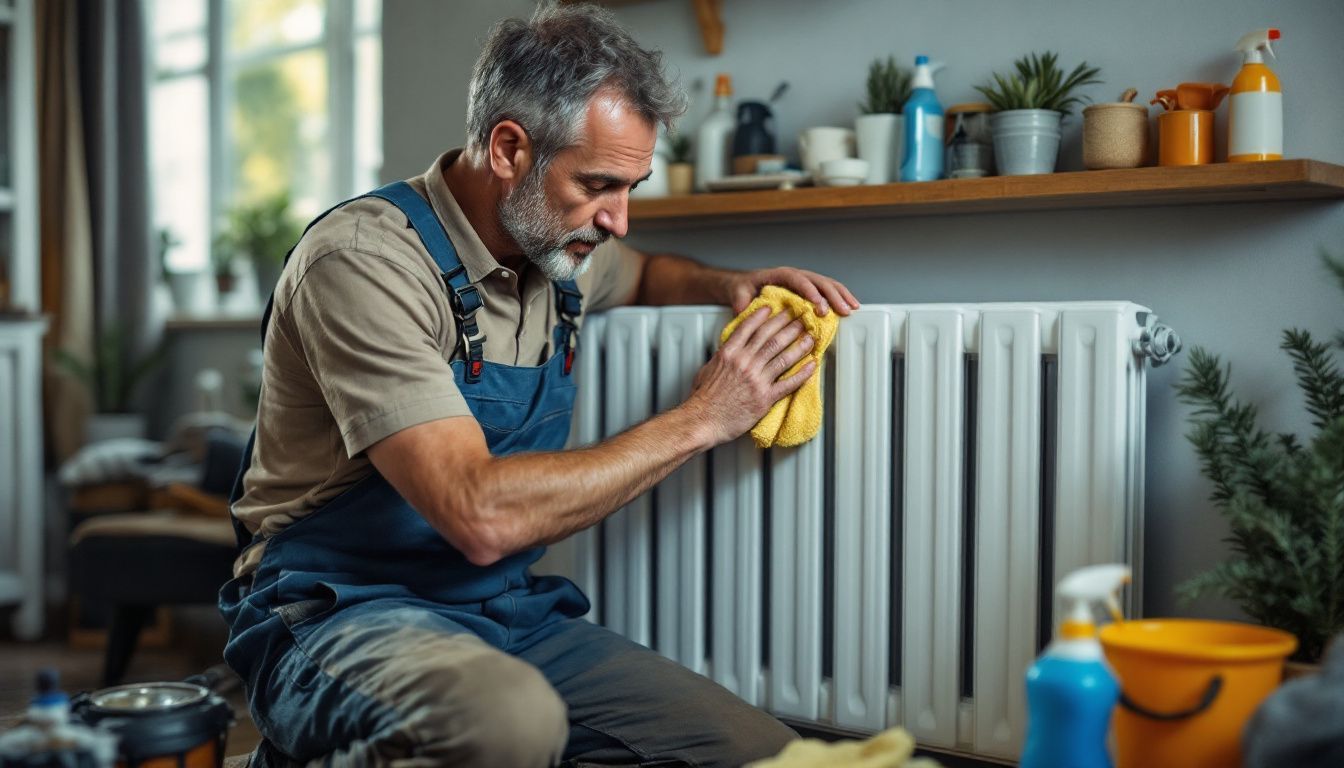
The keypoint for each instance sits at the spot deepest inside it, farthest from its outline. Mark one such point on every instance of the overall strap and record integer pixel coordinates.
(569, 305)
(463, 296)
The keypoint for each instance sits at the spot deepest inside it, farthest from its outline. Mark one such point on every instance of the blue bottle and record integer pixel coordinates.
(1071, 691)
(922, 159)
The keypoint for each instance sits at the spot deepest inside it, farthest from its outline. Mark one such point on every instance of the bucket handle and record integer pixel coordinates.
(1206, 701)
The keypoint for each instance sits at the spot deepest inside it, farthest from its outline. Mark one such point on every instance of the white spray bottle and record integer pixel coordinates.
(1255, 108)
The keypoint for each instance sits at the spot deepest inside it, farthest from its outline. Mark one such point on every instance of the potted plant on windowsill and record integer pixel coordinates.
(878, 128)
(261, 232)
(112, 378)
(1281, 498)
(181, 285)
(1031, 103)
(680, 172)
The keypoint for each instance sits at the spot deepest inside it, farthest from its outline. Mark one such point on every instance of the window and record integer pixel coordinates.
(251, 98)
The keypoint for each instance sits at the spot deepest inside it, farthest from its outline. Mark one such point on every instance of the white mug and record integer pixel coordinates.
(817, 145)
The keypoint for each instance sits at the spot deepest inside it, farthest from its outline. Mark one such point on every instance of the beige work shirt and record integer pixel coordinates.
(361, 338)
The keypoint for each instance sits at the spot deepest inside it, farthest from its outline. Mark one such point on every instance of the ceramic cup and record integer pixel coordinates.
(1185, 137)
(817, 145)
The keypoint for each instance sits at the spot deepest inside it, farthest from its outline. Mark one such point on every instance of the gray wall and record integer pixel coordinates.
(1228, 277)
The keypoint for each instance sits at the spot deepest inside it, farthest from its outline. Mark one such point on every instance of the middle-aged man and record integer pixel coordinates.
(409, 464)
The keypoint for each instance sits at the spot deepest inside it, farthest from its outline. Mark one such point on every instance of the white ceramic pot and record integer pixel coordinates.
(267, 273)
(185, 288)
(879, 139)
(1026, 141)
(656, 185)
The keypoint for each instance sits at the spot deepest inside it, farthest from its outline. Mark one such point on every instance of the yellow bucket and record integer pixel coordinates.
(1188, 687)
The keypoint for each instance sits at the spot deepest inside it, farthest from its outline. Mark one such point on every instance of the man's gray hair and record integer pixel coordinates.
(541, 74)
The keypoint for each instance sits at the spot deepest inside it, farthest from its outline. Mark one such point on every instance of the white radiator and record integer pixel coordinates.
(896, 570)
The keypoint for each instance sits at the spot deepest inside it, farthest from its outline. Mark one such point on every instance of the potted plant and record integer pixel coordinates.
(181, 285)
(680, 172)
(1281, 497)
(112, 378)
(261, 232)
(222, 261)
(1031, 102)
(878, 127)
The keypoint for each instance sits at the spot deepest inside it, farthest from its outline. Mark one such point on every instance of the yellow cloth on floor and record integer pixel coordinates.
(795, 419)
(889, 749)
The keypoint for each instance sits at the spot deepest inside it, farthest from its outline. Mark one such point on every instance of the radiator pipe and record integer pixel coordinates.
(1157, 342)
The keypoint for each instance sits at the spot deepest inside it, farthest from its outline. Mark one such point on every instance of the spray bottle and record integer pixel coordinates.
(923, 158)
(1071, 691)
(47, 737)
(713, 143)
(1255, 118)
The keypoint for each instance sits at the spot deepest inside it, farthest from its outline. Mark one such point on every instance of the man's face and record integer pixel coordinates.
(559, 217)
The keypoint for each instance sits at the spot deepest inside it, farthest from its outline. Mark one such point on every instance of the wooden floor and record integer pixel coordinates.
(198, 642)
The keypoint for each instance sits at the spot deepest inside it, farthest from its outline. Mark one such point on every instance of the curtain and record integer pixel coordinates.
(97, 253)
(66, 229)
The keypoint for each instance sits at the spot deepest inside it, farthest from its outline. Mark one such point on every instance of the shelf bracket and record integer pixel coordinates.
(708, 15)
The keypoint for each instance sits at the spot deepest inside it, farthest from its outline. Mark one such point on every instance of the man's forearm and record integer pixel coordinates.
(568, 491)
(669, 279)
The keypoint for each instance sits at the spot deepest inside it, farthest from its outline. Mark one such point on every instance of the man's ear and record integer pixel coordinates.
(510, 152)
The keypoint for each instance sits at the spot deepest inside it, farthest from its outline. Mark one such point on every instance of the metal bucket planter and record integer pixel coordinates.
(1026, 141)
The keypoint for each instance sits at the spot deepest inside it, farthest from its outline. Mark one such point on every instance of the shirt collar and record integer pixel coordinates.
(470, 250)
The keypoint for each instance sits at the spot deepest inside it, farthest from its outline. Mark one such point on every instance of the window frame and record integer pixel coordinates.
(339, 41)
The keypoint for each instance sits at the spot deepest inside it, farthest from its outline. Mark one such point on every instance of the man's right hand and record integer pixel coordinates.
(740, 383)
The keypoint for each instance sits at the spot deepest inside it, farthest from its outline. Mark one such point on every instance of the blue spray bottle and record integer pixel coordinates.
(1071, 691)
(923, 156)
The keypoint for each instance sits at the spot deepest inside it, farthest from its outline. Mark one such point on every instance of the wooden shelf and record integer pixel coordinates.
(1192, 185)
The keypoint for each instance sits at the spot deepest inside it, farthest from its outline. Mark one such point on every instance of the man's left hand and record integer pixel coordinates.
(822, 291)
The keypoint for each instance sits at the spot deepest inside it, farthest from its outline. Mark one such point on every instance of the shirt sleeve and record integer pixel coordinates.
(612, 279)
(372, 334)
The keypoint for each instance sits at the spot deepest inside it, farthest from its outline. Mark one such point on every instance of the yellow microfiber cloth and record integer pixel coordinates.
(796, 418)
(889, 749)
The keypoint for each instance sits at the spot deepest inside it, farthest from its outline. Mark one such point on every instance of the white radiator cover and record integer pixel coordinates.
(892, 459)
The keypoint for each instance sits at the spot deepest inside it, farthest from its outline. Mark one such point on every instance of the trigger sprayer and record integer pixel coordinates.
(1071, 691)
(1255, 109)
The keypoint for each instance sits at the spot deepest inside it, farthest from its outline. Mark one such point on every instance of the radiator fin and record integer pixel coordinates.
(1008, 472)
(862, 519)
(933, 514)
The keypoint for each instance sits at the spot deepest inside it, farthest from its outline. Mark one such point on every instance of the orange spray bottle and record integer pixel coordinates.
(1255, 118)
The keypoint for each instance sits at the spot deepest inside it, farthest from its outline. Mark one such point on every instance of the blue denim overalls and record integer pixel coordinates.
(368, 549)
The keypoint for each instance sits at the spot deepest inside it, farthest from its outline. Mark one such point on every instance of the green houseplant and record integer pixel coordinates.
(680, 171)
(261, 232)
(112, 377)
(1283, 499)
(888, 88)
(878, 128)
(1031, 102)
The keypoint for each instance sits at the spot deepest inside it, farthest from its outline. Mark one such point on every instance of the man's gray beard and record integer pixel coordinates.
(540, 232)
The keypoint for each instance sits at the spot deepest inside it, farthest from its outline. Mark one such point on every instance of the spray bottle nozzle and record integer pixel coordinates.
(1094, 584)
(1250, 44)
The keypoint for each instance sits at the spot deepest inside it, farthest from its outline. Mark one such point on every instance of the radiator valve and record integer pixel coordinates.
(1157, 342)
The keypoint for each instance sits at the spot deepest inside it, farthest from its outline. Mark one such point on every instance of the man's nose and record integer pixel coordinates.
(615, 216)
